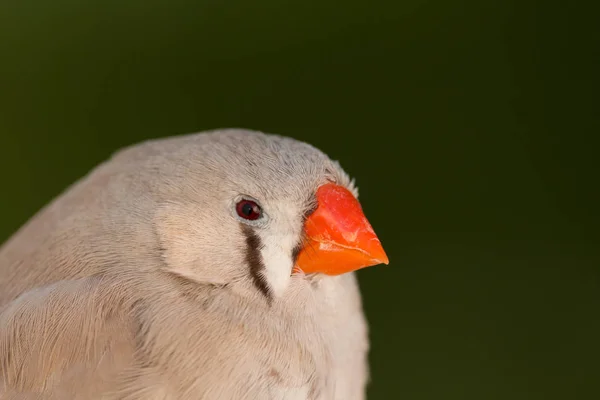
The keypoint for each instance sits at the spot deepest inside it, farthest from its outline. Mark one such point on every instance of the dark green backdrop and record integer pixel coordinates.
(469, 126)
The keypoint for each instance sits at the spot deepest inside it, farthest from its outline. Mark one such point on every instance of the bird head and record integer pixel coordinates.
(234, 206)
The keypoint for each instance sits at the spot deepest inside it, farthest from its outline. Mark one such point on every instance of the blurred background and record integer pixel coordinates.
(470, 127)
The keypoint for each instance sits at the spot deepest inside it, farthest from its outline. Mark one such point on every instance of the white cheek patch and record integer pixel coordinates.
(277, 258)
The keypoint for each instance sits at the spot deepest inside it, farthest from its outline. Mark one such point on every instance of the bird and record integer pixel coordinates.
(212, 265)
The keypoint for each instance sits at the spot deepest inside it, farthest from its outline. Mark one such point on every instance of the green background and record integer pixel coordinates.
(469, 125)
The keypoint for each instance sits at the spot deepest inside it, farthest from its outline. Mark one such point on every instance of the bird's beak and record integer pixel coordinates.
(339, 238)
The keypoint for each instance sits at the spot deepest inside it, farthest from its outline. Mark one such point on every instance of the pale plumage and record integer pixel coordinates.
(140, 282)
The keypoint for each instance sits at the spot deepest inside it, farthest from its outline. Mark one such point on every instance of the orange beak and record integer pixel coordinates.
(339, 238)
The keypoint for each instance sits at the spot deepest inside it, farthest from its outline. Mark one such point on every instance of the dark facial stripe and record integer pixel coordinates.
(255, 261)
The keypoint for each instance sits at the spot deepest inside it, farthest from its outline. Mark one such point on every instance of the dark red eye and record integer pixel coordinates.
(248, 209)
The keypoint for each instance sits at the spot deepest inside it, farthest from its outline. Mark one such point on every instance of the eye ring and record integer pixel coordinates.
(248, 210)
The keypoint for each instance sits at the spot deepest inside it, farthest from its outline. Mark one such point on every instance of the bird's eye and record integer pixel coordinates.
(248, 209)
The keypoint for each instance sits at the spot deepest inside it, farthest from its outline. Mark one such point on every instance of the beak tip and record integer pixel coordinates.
(382, 260)
(379, 255)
